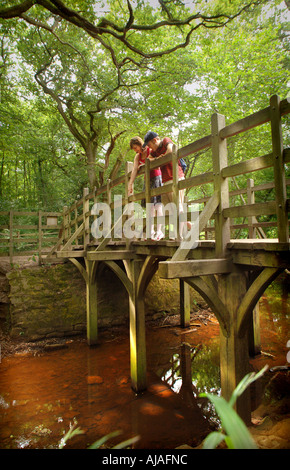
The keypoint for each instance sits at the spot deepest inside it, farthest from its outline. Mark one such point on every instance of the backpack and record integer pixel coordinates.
(183, 164)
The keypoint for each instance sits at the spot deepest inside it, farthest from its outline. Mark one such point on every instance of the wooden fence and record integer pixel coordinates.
(28, 233)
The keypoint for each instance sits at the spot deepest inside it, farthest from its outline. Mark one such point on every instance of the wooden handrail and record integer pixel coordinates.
(80, 211)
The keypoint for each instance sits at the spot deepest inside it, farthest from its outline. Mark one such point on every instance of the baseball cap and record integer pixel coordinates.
(149, 136)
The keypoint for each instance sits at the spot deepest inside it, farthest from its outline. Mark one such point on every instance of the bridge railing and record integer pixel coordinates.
(224, 214)
(221, 216)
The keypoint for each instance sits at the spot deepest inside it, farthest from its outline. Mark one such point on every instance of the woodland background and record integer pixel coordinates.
(79, 78)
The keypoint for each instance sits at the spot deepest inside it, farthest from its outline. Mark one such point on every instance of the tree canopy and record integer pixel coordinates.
(79, 79)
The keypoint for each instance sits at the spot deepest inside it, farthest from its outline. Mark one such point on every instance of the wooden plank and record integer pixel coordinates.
(71, 254)
(51, 227)
(254, 120)
(25, 227)
(248, 210)
(270, 244)
(193, 268)
(194, 147)
(26, 240)
(51, 214)
(285, 107)
(260, 258)
(20, 213)
(110, 255)
(197, 180)
(248, 166)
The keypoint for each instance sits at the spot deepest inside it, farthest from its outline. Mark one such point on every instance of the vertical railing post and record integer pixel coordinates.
(65, 231)
(128, 169)
(219, 156)
(75, 223)
(279, 170)
(251, 200)
(11, 236)
(39, 237)
(149, 222)
(175, 188)
(86, 217)
(69, 223)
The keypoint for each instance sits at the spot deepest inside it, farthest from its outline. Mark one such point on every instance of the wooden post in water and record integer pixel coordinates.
(234, 356)
(184, 290)
(92, 304)
(137, 331)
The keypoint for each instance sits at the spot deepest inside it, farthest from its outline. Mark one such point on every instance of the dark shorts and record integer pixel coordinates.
(155, 182)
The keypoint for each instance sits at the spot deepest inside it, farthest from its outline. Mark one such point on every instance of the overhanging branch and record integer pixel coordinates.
(107, 27)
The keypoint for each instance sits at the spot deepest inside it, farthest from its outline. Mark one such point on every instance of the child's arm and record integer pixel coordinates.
(133, 174)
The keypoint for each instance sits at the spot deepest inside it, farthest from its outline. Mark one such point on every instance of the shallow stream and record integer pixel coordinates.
(42, 395)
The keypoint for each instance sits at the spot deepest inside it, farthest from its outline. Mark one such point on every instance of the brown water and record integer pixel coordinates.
(42, 395)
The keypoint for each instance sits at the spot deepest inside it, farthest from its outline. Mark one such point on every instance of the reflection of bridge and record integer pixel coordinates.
(231, 274)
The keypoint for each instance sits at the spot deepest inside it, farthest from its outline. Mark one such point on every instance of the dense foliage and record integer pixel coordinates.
(79, 79)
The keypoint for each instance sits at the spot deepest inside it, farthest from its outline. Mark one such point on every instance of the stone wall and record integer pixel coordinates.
(50, 301)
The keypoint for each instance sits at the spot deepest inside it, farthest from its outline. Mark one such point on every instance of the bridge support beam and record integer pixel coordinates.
(137, 330)
(92, 304)
(184, 290)
(234, 349)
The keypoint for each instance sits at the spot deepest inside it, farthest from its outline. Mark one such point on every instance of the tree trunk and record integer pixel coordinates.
(91, 151)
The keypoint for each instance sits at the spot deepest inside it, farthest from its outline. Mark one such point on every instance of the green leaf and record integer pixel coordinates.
(127, 443)
(244, 383)
(232, 424)
(104, 439)
(213, 440)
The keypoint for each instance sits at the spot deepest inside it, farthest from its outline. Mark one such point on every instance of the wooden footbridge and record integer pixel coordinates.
(230, 274)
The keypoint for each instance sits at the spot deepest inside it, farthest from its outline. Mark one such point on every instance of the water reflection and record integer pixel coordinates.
(194, 370)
